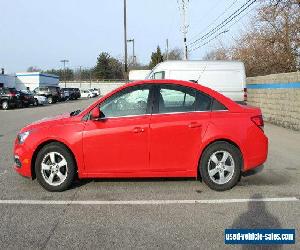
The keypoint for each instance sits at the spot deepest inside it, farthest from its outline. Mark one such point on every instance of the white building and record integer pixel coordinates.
(8, 81)
(33, 80)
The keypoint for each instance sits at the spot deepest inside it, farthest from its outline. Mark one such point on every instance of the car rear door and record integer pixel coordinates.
(180, 118)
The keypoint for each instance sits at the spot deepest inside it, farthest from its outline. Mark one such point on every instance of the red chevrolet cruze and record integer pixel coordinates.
(155, 128)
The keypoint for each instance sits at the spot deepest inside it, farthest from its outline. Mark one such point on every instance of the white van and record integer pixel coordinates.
(138, 74)
(226, 77)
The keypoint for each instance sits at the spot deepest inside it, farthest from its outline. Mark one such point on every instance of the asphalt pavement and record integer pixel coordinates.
(143, 213)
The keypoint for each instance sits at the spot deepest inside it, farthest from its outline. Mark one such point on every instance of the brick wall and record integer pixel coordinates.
(278, 95)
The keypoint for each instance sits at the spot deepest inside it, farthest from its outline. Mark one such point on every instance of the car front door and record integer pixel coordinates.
(176, 128)
(117, 145)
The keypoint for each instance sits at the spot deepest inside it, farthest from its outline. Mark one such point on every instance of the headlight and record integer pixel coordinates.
(22, 136)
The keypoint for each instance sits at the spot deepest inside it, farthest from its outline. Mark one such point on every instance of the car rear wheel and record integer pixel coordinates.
(36, 102)
(55, 167)
(220, 166)
(5, 105)
(50, 100)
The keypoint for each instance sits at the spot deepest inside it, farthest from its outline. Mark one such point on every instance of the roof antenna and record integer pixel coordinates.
(201, 73)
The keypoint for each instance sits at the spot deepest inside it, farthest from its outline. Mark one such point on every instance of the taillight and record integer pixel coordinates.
(11, 94)
(245, 94)
(258, 121)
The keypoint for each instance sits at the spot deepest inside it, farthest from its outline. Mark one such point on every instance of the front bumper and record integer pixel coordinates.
(43, 102)
(22, 160)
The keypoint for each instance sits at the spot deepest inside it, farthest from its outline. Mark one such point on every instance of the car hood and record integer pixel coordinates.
(47, 121)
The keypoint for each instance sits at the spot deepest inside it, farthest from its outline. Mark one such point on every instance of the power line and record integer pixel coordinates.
(238, 12)
(225, 22)
(221, 33)
(213, 22)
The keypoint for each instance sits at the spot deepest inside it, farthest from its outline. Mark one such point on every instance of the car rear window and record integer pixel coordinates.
(13, 91)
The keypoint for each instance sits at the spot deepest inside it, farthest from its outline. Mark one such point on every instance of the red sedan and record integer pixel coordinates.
(154, 128)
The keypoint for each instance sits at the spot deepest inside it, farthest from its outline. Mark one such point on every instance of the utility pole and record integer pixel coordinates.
(80, 76)
(90, 79)
(183, 5)
(125, 39)
(64, 61)
(167, 49)
(133, 55)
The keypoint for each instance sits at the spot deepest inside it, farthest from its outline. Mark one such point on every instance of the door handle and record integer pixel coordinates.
(194, 125)
(138, 130)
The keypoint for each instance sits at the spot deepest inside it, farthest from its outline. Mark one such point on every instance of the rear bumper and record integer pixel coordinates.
(256, 152)
(253, 171)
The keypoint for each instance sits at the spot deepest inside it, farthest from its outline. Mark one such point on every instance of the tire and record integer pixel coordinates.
(55, 167)
(50, 100)
(5, 105)
(220, 166)
(36, 102)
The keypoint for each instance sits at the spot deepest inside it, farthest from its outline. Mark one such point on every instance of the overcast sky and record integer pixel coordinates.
(41, 33)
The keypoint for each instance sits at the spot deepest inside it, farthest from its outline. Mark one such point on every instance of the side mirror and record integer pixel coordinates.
(96, 114)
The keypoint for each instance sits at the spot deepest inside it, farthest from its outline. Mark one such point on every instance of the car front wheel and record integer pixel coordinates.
(5, 105)
(220, 166)
(55, 167)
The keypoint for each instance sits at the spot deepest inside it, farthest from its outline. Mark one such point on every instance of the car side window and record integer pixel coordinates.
(133, 101)
(176, 99)
(203, 102)
(217, 106)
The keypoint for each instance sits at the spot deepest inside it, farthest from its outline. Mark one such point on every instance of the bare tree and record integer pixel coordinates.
(174, 54)
(218, 54)
(33, 69)
(272, 44)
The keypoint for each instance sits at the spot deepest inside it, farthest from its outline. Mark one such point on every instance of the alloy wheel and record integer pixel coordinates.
(54, 168)
(220, 167)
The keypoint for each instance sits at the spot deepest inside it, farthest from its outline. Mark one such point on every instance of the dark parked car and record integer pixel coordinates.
(72, 93)
(51, 92)
(61, 94)
(69, 93)
(26, 98)
(77, 93)
(8, 98)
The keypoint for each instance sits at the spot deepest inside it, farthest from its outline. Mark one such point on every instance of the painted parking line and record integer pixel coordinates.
(144, 202)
